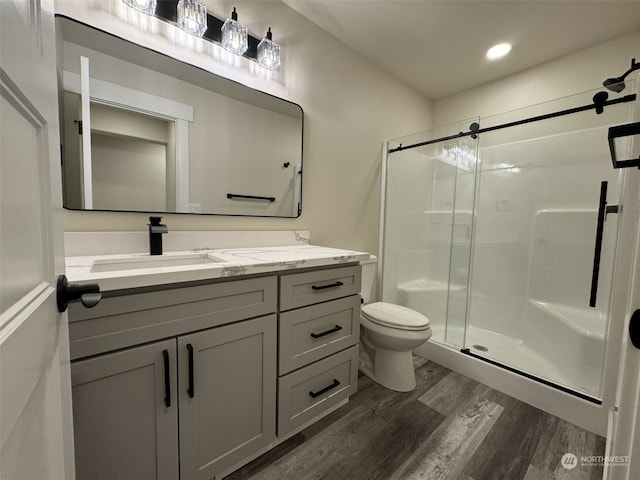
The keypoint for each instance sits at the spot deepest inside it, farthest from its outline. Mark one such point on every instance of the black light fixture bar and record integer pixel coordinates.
(472, 132)
(623, 131)
(166, 10)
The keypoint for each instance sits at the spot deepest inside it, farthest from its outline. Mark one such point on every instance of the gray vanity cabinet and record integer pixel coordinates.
(220, 382)
(176, 381)
(319, 332)
(227, 381)
(125, 417)
(190, 381)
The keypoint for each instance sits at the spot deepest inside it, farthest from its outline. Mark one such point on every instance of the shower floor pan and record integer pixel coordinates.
(555, 346)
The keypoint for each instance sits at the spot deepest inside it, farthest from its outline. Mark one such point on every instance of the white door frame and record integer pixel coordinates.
(623, 439)
(126, 98)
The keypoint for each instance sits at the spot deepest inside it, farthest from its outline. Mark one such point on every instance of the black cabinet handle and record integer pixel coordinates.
(331, 285)
(191, 389)
(325, 389)
(167, 379)
(337, 328)
(603, 211)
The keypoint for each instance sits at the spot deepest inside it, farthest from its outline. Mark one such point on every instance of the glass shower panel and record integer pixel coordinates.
(537, 210)
(424, 185)
(465, 151)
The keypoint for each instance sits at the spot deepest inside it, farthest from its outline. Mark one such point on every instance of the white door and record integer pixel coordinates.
(625, 441)
(36, 436)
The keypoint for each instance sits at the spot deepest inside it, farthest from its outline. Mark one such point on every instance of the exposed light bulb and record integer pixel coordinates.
(269, 52)
(192, 17)
(234, 35)
(144, 6)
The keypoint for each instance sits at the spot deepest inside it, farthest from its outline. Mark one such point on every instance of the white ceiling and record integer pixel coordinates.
(438, 46)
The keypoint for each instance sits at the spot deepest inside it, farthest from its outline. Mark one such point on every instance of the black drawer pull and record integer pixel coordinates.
(167, 379)
(331, 285)
(325, 389)
(191, 389)
(337, 328)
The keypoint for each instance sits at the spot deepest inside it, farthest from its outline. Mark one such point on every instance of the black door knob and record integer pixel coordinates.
(634, 328)
(89, 295)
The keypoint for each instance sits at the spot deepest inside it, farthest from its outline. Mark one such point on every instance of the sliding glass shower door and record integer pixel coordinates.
(539, 195)
(505, 235)
(428, 225)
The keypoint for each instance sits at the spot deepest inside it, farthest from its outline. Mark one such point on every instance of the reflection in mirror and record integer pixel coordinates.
(145, 132)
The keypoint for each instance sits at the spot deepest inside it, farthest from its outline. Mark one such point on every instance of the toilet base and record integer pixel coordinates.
(391, 369)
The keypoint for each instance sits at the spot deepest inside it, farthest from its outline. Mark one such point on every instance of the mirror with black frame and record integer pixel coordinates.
(142, 131)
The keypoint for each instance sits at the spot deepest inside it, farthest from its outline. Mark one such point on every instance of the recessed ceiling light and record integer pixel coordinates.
(498, 51)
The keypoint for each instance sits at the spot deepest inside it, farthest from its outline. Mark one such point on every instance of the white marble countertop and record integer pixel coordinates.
(223, 263)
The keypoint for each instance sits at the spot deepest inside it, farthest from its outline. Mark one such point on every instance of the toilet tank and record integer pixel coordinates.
(368, 274)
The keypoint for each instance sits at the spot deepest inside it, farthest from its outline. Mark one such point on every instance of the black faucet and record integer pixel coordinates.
(156, 229)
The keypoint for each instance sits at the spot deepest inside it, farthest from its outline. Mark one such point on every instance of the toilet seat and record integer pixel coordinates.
(395, 316)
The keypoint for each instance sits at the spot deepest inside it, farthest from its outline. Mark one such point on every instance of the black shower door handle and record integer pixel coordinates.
(603, 211)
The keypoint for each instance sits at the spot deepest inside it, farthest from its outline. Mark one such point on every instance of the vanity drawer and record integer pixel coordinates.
(301, 289)
(122, 321)
(311, 333)
(306, 393)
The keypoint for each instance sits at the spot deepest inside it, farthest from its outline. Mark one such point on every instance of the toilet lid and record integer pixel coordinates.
(395, 316)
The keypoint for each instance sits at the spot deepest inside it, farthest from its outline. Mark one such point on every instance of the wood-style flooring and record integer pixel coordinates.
(450, 427)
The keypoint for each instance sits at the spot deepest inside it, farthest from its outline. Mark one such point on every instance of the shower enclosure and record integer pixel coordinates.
(502, 231)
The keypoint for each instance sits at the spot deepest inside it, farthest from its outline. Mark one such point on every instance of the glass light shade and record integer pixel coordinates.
(192, 17)
(144, 6)
(234, 35)
(269, 53)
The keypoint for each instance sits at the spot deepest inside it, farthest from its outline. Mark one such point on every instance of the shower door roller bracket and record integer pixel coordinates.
(634, 328)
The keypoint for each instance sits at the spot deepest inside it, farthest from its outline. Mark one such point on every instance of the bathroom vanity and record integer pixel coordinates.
(191, 370)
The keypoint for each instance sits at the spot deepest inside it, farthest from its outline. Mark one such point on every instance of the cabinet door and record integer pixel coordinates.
(227, 395)
(125, 414)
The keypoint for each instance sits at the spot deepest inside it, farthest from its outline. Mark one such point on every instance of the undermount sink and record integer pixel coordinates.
(137, 263)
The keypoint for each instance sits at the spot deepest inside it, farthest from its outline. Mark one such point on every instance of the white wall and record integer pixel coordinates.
(350, 108)
(578, 72)
(128, 173)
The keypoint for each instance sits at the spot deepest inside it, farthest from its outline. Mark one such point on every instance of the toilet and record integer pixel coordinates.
(388, 335)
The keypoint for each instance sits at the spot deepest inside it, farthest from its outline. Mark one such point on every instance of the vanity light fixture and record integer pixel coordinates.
(269, 52)
(498, 51)
(144, 6)
(234, 35)
(192, 17)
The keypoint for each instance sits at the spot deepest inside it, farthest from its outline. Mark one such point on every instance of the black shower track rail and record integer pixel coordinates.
(597, 105)
(530, 376)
